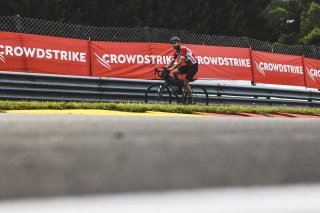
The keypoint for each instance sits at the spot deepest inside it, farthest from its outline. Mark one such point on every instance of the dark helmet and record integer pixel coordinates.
(175, 39)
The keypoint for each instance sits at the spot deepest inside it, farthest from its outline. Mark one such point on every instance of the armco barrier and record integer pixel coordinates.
(27, 86)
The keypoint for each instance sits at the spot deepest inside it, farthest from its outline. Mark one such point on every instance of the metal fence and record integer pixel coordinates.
(146, 34)
(44, 87)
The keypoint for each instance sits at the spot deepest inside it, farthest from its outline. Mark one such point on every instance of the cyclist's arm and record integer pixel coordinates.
(170, 64)
(177, 64)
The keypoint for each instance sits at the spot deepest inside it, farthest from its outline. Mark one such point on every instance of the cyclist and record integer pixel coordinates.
(182, 55)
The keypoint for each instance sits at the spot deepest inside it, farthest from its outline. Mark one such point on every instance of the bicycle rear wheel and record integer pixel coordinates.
(199, 95)
(158, 94)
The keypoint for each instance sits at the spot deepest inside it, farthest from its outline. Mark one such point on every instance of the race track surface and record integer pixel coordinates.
(46, 155)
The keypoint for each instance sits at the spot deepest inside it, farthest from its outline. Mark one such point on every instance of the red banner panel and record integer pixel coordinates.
(43, 54)
(223, 62)
(312, 72)
(138, 60)
(272, 68)
(128, 60)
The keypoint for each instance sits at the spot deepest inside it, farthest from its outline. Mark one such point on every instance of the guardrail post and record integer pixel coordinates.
(304, 72)
(310, 99)
(252, 71)
(90, 63)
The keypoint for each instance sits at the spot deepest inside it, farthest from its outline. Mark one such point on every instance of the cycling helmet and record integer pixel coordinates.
(175, 39)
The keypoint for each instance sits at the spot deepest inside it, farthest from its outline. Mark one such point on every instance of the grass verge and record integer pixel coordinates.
(130, 107)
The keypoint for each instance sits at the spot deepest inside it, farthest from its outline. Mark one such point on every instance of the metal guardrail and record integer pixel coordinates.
(44, 87)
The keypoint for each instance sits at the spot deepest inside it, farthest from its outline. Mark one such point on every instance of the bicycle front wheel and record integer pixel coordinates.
(158, 94)
(199, 95)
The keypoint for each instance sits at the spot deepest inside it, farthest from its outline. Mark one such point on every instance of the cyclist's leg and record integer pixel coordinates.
(176, 74)
(187, 87)
(192, 71)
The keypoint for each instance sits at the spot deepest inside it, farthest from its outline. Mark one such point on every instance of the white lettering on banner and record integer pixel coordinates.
(48, 54)
(29, 52)
(6, 50)
(18, 51)
(136, 59)
(313, 73)
(284, 68)
(224, 61)
(121, 59)
(107, 59)
(141, 59)
(40, 53)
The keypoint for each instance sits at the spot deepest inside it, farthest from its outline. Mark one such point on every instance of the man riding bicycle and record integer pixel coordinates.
(182, 55)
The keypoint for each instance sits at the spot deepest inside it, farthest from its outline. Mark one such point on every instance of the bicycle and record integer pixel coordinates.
(164, 93)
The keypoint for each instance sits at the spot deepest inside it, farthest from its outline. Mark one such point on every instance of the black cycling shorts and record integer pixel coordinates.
(191, 71)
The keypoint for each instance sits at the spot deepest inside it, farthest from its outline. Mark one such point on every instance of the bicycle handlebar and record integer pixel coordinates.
(159, 72)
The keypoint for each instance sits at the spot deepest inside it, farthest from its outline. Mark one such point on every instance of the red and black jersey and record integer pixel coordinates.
(186, 53)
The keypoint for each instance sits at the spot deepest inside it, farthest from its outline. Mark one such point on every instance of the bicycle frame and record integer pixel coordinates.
(167, 84)
(168, 87)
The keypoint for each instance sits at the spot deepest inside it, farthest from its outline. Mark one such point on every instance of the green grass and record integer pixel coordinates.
(129, 107)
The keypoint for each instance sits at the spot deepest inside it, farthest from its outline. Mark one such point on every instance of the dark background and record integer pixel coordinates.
(283, 21)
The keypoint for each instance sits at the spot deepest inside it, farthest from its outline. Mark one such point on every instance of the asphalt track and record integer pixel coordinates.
(49, 155)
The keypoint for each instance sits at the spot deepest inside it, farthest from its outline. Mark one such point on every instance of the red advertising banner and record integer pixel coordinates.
(138, 60)
(128, 60)
(43, 54)
(312, 72)
(272, 68)
(223, 62)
